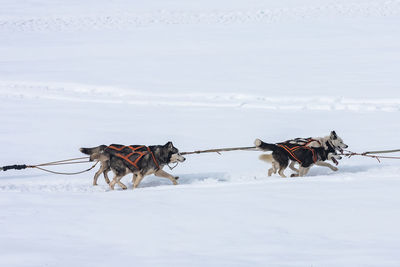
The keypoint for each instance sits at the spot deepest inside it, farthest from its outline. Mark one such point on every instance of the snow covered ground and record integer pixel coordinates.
(203, 74)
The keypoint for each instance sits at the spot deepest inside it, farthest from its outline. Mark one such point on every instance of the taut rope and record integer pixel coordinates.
(53, 163)
(349, 154)
(218, 150)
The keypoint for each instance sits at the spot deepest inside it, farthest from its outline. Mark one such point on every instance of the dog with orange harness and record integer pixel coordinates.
(304, 151)
(139, 160)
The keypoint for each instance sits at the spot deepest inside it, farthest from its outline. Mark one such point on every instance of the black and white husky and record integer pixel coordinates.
(304, 151)
(139, 160)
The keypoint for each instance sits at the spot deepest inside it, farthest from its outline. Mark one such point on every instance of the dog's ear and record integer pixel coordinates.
(333, 135)
(169, 144)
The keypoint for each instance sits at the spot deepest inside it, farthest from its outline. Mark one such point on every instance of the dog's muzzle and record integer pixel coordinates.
(177, 158)
(181, 158)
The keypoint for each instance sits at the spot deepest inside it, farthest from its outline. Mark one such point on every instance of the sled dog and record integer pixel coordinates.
(139, 160)
(304, 151)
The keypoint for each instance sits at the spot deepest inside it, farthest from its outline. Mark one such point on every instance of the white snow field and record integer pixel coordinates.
(203, 74)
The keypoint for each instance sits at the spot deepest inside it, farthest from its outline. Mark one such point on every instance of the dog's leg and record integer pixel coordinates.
(138, 179)
(303, 171)
(161, 173)
(116, 180)
(281, 170)
(274, 168)
(306, 171)
(121, 184)
(292, 167)
(281, 166)
(134, 176)
(105, 173)
(97, 174)
(326, 164)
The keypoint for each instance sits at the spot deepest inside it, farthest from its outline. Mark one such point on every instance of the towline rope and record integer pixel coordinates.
(349, 154)
(346, 153)
(53, 163)
(218, 150)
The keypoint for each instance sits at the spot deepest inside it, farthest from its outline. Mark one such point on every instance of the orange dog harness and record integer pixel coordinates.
(292, 150)
(134, 150)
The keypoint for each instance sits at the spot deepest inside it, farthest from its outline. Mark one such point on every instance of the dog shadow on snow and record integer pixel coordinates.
(318, 171)
(184, 179)
(219, 177)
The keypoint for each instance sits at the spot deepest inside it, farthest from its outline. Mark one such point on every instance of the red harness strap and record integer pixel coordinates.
(134, 151)
(154, 158)
(291, 150)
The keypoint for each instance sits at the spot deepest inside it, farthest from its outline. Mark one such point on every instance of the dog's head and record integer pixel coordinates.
(337, 142)
(173, 153)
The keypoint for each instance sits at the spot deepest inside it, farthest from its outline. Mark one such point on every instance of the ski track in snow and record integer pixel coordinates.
(125, 20)
(94, 94)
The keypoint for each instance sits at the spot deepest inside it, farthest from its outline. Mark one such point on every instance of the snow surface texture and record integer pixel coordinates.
(204, 74)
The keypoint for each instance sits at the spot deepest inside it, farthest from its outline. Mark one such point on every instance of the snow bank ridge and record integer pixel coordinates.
(126, 20)
(94, 94)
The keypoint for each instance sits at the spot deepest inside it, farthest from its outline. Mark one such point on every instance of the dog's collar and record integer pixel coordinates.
(330, 146)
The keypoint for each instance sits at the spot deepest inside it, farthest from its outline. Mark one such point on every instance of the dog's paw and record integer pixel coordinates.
(257, 142)
(294, 175)
(176, 177)
(335, 169)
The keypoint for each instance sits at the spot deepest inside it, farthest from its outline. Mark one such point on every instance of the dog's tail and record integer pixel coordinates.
(264, 146)
(93, 152)
(266, 157)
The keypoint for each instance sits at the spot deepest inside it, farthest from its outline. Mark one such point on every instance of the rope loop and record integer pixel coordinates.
(64, 173)
(171, 168)
(53, 163)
